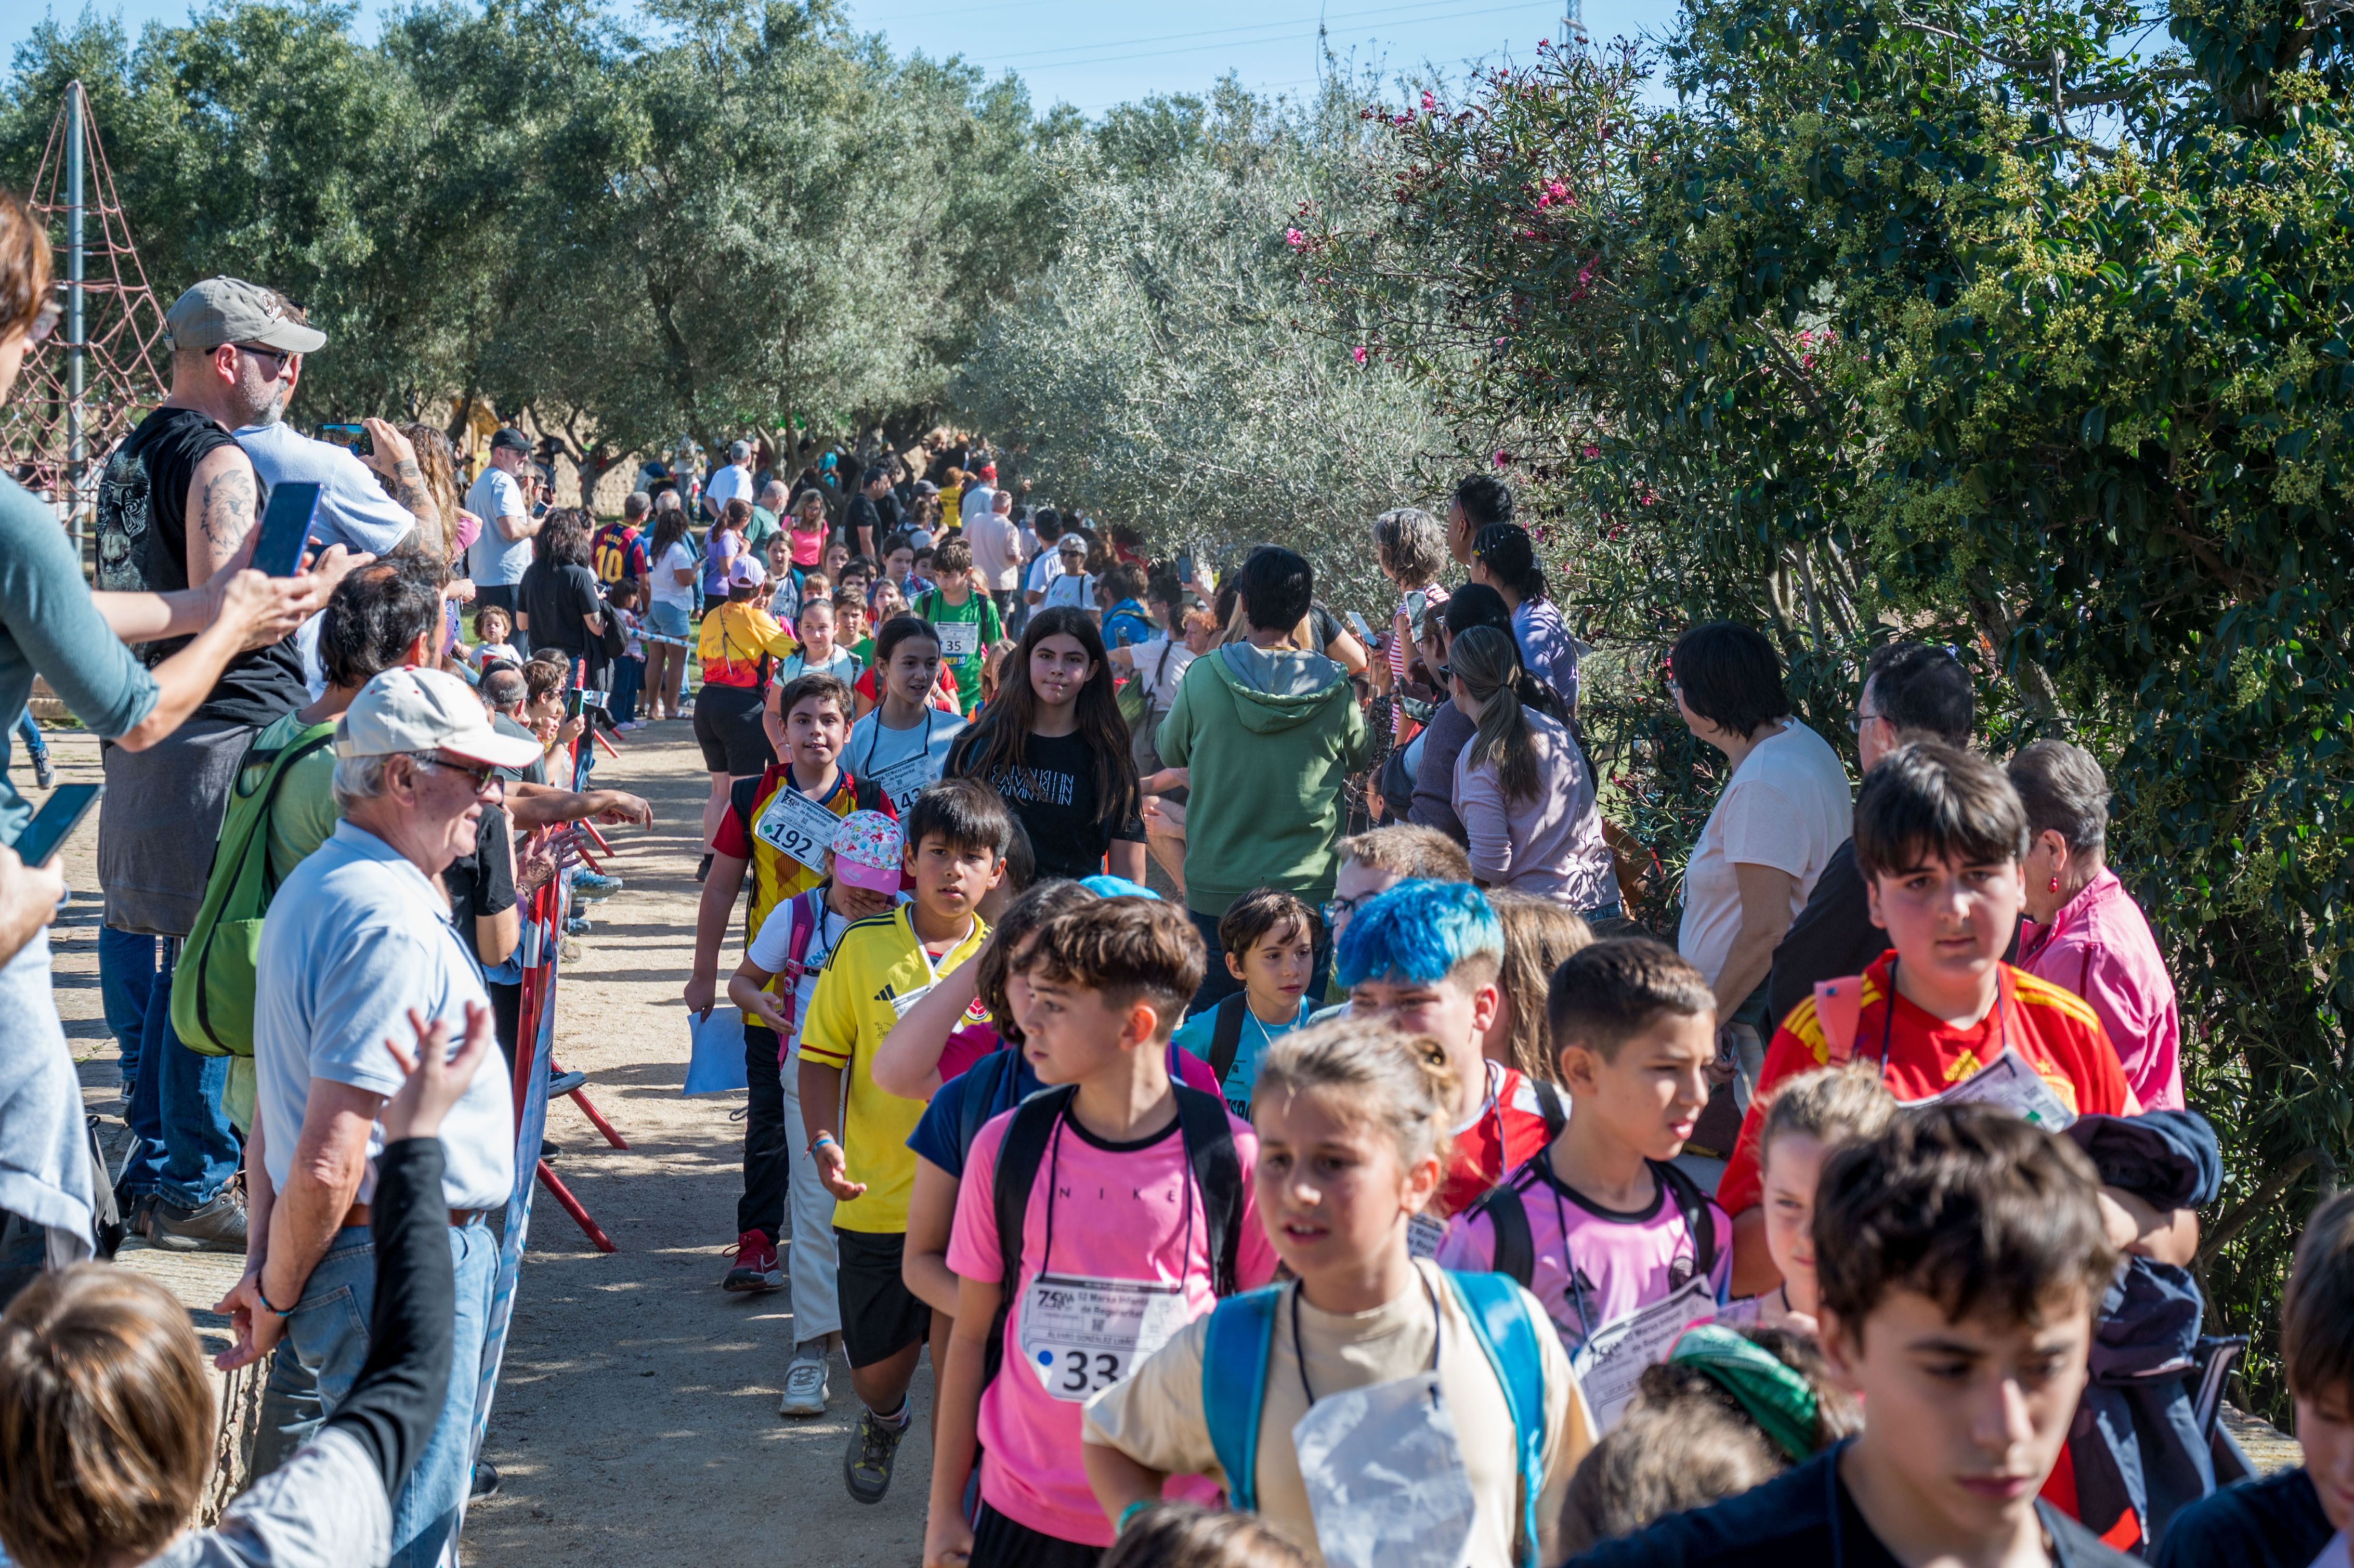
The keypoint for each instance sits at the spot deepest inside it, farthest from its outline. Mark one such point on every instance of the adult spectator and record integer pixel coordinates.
(176, 505)
(1911, 691)
(1521, 787)
(874, 511)
(1783, 809)
(768, 517)
(980, 498)
(1434, 752)
(1504, 558)
(357, 945)
(1072, 585)
(53, 627)
(737, 642)
(498, 557)
(558, 603)
(2086, 932)
(997, 552)
(1480, 501)
(619, 550)
(731, 481)
(1269, 734)
(670, 612)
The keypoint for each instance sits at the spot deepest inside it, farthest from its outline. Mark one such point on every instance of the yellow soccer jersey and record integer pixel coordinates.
(878, 969)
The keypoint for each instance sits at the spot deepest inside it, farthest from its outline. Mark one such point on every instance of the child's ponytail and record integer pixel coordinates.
(1401, 1082)
(1487, 662)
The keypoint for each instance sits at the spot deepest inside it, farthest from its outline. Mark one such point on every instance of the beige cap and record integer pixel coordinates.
(414, 709)
(230, 310)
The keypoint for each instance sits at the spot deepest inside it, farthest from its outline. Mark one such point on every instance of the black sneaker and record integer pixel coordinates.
(562, 1084)
(867, 1463)
(42, 774)
(218, 1227)
(138, 1209)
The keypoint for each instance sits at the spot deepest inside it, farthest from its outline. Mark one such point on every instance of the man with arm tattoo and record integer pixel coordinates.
(176, 505)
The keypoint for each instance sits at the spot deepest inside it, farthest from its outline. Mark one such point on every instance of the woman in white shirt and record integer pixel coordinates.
(1785, 807)
(670, 612)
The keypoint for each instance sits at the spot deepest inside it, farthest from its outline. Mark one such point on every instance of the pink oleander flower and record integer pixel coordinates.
(1557, 191)
(1294, 238)
(1358, 353)
(1430, 103)
(1504, 459)
(1593, 451)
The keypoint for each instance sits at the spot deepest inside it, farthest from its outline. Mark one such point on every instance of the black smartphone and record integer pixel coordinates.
(62, 812)
(572, 703)
(355, 437)
(285, 528)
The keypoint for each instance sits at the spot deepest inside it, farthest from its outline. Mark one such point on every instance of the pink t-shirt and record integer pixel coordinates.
(1623, 1261)
(1124, 1212)
(2100, 948)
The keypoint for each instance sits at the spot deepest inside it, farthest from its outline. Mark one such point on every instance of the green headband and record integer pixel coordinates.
(1780, 1401)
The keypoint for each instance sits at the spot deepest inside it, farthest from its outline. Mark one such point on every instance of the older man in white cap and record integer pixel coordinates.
(357, 944)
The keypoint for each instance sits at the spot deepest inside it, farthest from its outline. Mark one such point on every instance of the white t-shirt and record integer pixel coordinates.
(1786, 806)
(1044, 568)
(668, 589)
(975, 503)
(773, 947)
(901, 761)
(493, 560)
(732, 481)
(1161, 663)
(1076, 589)
(356, 937)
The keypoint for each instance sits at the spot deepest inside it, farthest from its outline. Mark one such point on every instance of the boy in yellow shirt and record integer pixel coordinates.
(957, 834)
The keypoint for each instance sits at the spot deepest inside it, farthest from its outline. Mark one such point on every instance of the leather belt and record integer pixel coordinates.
(359, 1214)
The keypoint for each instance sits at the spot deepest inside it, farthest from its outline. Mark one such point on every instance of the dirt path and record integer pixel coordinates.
(637, 1413)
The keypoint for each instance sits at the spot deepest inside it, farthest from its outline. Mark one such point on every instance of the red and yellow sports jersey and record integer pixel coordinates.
(2056, 1031)
(777, 876)
(737, 640)
(1509, 1130)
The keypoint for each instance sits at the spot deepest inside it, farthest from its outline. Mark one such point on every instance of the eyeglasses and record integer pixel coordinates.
(1333, 909)
(486, 779)
(278, 355)
(1862, 718)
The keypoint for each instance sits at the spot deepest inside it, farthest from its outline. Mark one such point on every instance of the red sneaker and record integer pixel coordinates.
(755, 1268)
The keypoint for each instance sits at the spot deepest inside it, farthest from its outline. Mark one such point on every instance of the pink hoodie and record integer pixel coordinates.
(2100, 946)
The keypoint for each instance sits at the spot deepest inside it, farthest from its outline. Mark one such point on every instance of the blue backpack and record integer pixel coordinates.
(1234, 1382)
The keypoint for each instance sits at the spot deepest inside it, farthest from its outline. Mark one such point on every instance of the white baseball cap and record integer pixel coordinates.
(414, 709)
(747, 572)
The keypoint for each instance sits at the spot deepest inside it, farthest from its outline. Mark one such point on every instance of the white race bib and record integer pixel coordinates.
(958, 639)
(2010, 1082)
(1080, 1336)
(1612, 1360)
(798, 828)
(1423, 1234)
(1383, 1471)
(902, 779)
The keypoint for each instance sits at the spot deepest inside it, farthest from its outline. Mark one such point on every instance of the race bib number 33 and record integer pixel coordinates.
(1082, 1335)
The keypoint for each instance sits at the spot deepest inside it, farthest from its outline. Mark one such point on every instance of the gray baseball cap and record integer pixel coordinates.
(230, 310)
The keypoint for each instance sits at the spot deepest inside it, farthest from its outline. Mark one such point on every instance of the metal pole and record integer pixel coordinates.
(76, 442)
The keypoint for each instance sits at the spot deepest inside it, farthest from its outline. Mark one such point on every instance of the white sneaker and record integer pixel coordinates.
(805, 1383)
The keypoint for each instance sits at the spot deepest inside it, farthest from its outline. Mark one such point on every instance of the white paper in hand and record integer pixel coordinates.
(716, 1067)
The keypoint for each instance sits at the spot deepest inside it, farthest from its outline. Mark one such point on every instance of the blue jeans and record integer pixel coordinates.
(326, 1342)
(187, 1150)
(126, 973)
(25, 728)
(629, 674)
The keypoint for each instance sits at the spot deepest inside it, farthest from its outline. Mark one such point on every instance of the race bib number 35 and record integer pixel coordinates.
(958, 639)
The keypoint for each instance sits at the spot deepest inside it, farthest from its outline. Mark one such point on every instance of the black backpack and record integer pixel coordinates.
(1209, 1148)
(1516, 1252)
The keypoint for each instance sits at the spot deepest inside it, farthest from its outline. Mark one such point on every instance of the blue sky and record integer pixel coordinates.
(1094, 55)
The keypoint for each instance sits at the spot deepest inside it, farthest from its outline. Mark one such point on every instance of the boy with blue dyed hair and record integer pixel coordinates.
(1425, 955)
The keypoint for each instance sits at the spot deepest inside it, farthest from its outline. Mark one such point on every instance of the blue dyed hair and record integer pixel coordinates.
(1420, 930)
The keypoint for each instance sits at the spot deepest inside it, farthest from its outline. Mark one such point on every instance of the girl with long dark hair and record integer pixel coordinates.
(670, 612)
(1053, 743)
(560, 607)
(1505, 558)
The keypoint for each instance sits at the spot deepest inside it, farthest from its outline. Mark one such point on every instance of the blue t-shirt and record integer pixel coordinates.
(1196, 1033)
(1125, 625)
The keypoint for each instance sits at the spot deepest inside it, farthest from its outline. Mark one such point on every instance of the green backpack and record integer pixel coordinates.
(212, 988)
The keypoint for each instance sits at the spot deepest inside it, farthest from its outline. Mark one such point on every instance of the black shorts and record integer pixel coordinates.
(1000, 1542)
(880, 1316)
(727, 727)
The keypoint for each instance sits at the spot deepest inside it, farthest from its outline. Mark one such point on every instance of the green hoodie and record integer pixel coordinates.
(1270, 735)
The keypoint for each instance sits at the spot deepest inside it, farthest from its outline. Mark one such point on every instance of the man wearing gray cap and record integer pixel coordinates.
(499, 557)
(176, 504)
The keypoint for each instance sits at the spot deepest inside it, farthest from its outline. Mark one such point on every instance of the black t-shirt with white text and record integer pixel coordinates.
(143, 547)
(1054, 793)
